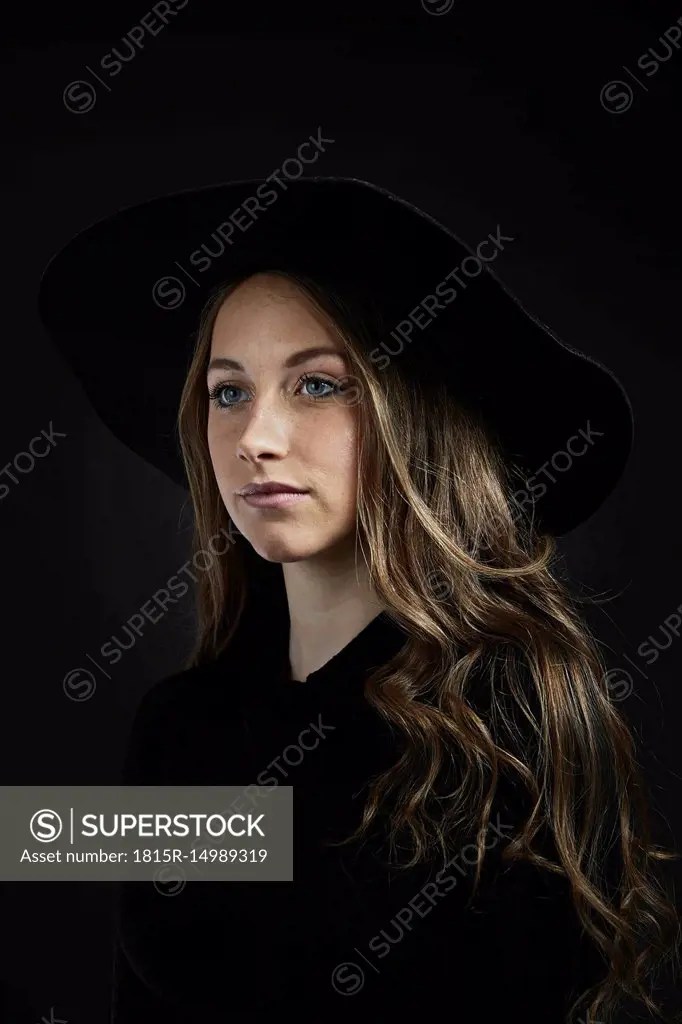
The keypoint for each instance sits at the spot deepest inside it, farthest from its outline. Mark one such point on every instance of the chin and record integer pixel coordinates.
(281, 551)
(296, 548)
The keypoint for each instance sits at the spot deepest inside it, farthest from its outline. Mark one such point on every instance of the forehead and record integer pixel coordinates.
(269, 310)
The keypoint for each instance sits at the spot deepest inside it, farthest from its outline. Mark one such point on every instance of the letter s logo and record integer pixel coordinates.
(45, 826)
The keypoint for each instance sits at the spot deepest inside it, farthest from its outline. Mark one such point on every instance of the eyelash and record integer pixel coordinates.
(215, 392)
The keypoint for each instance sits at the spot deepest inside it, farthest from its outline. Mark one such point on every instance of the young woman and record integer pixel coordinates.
(382, 626)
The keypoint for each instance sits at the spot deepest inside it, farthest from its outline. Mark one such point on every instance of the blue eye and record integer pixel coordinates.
(309, 379)
(216, 393)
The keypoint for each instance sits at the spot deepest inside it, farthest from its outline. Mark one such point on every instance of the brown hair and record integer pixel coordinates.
(434, 503)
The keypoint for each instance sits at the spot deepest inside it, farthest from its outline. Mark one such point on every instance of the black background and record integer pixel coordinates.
(498, 106)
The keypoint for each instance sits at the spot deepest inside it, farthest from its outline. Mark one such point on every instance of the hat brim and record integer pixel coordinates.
(122, 300)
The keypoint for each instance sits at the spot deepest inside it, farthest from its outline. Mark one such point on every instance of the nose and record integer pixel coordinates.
(266, 433)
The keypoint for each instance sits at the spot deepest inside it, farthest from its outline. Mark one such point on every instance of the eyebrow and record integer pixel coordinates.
(222, 363)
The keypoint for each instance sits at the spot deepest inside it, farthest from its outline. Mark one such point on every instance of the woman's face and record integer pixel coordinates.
(267, 424)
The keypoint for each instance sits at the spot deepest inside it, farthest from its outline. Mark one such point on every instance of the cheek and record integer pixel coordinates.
(332, 450)
(219, 440)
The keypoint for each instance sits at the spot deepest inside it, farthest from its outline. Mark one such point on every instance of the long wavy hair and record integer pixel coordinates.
(434, 505)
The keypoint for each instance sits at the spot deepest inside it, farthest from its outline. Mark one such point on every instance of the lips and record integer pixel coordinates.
(278, 499)
(271, 487)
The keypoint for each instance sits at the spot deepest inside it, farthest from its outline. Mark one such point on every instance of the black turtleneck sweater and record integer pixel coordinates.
(347, 940)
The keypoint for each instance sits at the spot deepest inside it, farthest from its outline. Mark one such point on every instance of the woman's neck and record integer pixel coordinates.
(330, 602)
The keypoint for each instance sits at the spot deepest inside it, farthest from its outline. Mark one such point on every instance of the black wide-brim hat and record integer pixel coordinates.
(122, 302)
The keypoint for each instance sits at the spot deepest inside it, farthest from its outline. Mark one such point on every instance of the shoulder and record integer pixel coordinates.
(174, 692)
(182, 693)
(176, 719)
